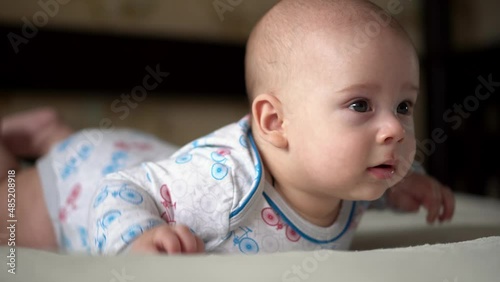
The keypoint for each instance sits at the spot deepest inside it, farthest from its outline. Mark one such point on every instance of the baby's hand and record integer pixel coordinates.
(422, 190)
(169, 239)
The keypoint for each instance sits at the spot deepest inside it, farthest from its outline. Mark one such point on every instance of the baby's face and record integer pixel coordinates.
(349, 115)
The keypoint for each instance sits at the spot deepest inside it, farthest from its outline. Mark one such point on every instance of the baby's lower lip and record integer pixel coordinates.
(382, 172)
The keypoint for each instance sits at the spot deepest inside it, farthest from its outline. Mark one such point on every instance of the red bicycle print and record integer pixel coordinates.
(271, 218)
(168, 214)
(127, 146)
(70, 202)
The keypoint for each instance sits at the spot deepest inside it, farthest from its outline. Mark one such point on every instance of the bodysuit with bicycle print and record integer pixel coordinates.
(216, 186)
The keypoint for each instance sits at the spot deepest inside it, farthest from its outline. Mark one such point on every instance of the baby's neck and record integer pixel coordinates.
(319, 217)
(316, 210)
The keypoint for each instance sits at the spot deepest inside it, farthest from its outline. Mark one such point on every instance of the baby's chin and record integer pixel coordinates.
(372, 196)
(370, 193)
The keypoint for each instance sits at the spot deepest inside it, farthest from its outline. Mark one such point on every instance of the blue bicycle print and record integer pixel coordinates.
(246, 244)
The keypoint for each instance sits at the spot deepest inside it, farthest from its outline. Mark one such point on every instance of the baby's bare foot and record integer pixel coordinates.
(30, 134)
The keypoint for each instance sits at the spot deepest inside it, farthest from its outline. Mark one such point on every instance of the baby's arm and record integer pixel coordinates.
(124, 215)
(418, 190)
(170, 239)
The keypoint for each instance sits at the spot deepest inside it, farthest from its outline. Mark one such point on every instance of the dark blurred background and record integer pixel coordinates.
(88, 58)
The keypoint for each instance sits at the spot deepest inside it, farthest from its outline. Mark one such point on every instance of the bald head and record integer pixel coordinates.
(276, 44)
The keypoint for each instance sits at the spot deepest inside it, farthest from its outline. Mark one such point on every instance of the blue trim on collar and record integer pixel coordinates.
(302, 234)
(258, 179)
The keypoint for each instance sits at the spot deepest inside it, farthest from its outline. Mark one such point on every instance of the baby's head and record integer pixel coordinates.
(332, 86)
(277, 49)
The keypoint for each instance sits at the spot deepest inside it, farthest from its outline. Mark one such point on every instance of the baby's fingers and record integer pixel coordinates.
(200, 245)
(448, 204)
(189, 242)
(160, 239)
(144, 247)
(433, 203)
(167, 241)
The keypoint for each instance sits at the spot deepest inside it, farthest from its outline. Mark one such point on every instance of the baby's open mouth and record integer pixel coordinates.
(386, 166)
(382, 171)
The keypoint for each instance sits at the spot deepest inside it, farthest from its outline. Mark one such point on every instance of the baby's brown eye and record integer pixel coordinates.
(404, 108)
(360, 106)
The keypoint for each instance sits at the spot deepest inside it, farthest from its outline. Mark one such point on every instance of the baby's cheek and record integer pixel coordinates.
(409, 146)
(407, 158)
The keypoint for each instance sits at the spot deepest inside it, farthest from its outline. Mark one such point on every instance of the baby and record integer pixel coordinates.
(330, 131)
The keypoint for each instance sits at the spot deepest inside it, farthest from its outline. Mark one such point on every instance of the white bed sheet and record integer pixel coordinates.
(471, 254)
(475, 217)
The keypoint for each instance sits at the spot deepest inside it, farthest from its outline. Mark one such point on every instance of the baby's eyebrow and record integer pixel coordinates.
(411, 87)
(370, 87)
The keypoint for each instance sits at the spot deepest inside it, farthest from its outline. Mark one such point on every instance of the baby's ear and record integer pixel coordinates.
(268, 120)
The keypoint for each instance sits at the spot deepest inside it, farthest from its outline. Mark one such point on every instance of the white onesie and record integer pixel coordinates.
(215, 185)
